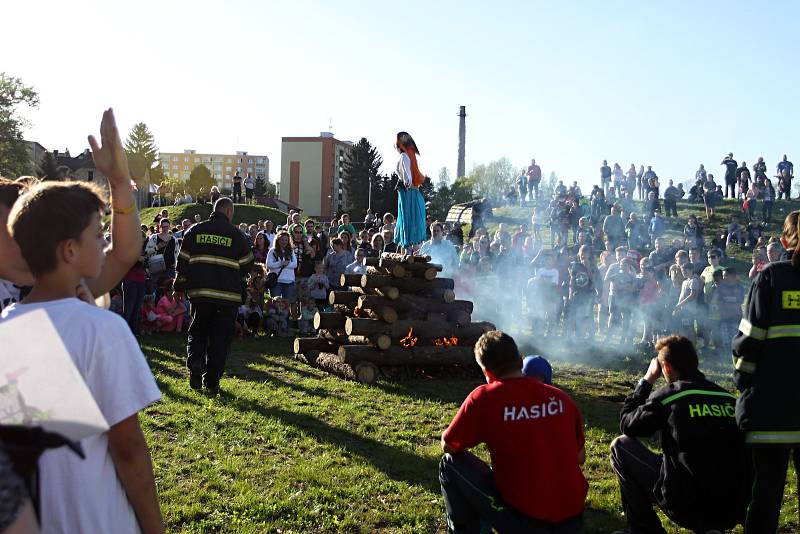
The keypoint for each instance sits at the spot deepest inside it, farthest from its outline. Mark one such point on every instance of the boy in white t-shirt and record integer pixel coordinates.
(113, 489)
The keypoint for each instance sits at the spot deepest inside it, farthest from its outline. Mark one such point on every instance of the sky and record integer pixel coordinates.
(667, 84)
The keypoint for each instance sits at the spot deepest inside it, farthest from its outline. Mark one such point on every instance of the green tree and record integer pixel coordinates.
(462, 190)
(48, 167)
(386, 199)
(200, 178)
(546, 189)
(494, 179)
(260, 187)
(157, 174)
(141, 149)
(427, 189)
(360, 172)
(14, 159)
(270, 190)
(444, 178)
(142, 156)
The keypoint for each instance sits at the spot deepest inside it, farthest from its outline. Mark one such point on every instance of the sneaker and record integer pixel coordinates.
(196, 379)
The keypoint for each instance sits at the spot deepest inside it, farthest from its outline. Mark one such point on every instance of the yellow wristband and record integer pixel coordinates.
(125, 211)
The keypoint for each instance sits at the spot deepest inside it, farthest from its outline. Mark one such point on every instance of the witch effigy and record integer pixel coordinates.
(410, 227)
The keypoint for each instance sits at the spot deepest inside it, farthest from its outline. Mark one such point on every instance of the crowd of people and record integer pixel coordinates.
(723, 460)
(607, 272)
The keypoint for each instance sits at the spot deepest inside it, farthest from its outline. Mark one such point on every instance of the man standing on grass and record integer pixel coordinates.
(700, 479)
(212, 264)
(730, 174)
(249, 188)
(534, 433)
(534, 178)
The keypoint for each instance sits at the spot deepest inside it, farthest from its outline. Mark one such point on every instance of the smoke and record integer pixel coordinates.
(505, 293)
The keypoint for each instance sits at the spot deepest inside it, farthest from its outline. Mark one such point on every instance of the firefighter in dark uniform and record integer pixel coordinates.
(700, 481)
(766, 358)
(213, 263)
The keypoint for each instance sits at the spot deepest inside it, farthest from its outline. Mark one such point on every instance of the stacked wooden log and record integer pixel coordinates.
(400, 313)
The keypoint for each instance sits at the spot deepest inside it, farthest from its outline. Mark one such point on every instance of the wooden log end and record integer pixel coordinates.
(390, 292)
(383, 341)
(366, 372)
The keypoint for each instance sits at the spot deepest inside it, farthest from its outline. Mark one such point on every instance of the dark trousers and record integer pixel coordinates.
(132, 298)
(671, 207)
(766, 211)
(770, 465)
(237, 193)
(637, 469)
(533, 189)
(472, 501)
(730, 183)
(210, 335)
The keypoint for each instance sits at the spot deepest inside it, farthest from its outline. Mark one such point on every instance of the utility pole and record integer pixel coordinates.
(462, 138)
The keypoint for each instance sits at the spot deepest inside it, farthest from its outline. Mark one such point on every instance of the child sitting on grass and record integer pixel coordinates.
(150, 321)
(171, 311)
(58, 227)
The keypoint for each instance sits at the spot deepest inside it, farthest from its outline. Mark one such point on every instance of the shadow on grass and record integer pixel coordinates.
(395, 463)
(442, 389)
(249, 374)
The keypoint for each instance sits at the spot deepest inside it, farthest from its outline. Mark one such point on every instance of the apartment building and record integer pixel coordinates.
(222, 166)
(311, 171)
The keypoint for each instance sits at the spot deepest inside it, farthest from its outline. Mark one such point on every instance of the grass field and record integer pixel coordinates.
(287, 448)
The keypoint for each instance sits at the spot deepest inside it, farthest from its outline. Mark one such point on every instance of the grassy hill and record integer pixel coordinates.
(287, 448)
(242, 213)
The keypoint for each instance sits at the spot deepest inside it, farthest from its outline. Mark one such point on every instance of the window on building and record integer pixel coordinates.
(90, 175)
(185, 167)
(250, 161)
(186, 176)
(230, 160)
(186, 160)
(260, 160)
(175, 167)
(174, 158)
(228, 169)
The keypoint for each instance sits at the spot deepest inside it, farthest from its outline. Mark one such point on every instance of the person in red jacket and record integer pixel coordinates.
(534, 433)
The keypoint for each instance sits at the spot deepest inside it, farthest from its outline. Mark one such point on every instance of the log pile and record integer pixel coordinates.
(400, 313)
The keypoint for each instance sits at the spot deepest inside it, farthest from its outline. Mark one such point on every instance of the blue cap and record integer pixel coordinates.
(536, 366)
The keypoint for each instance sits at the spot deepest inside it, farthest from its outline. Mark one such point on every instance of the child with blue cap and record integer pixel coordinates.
(538, 367)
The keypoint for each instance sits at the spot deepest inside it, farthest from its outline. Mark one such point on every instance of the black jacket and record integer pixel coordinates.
(214, 262)
(703, 474)
(766, 357)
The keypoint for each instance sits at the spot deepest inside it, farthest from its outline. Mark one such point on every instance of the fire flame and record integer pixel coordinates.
(446, 341)
(410, 340)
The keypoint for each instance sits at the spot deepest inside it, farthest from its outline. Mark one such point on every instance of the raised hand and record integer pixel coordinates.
(110, 158)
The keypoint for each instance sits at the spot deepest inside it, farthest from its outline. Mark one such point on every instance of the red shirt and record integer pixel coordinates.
(534, 433)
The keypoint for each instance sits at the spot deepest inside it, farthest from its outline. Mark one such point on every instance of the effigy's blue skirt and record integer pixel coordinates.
(410, 226)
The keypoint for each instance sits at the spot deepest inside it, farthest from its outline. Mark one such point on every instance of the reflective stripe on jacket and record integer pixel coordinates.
(214, 261)
(766, 358)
